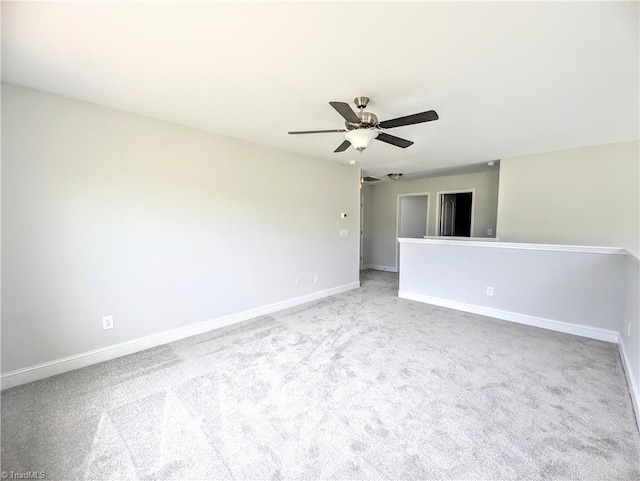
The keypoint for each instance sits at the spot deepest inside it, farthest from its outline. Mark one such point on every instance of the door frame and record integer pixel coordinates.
(457, 191)
(398, 202)
(361, 231)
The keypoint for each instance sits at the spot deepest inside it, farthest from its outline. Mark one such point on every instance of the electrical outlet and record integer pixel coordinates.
(489, 290)
(628, 329)
(316, 278)
(297, 281)
(107, 323)
(489, 231)
(344, 232)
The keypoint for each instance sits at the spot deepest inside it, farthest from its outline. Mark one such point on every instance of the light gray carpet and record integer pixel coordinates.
(358, 386)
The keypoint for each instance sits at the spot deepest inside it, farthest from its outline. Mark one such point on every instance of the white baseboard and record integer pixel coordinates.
(378, 267)
(633, 387)
(70, 363)
(553, 325)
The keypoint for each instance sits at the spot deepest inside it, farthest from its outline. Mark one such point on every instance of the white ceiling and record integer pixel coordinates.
(506, 78)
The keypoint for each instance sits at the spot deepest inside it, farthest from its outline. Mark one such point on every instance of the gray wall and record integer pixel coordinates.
(162, 226)
(586, 196)
(381, 204)
(574, 287)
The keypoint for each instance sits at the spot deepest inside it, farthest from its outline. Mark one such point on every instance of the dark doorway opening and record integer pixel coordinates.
(456, 217)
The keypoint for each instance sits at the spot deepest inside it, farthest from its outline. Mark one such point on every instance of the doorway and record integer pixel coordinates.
(412, 218)
(455, 213)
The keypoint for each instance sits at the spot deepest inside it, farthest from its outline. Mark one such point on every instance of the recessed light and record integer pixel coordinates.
(394, 176)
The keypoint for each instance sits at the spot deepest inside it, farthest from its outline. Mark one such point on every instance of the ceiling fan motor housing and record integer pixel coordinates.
(367, 120)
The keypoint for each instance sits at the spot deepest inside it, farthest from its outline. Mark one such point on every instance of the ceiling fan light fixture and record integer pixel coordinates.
(394, 175)
(360, 138)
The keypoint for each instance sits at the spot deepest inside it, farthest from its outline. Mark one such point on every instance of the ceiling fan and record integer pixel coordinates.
(362, 127)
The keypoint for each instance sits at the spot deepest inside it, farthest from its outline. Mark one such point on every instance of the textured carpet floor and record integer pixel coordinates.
(362, 385)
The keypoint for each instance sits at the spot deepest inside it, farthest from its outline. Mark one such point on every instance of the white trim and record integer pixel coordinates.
(377, 267)
(633, 257)
(517, 245)
(398, 206)
(448, 238)
(473, 208)
(633, 388)
(551, 324)
(70, 363)
(361, 231)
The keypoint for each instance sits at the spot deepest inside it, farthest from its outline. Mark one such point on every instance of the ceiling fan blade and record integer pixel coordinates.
(410, 119)
(317, 131)
(346, 111)
(393, 140)
(343, 146)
